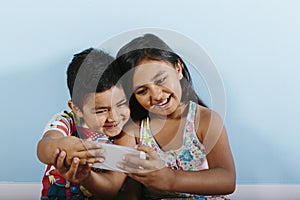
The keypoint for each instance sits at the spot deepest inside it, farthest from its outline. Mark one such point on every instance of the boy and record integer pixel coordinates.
(99, 112)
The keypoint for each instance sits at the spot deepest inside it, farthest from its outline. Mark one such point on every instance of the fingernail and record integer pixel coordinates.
(75, 160)
(62, 154)
(123, 157)
(119, 165)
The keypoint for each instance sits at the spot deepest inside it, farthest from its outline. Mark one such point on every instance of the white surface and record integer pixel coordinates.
(266, 192)
(16, 191)
(114, 154)
(31, 191)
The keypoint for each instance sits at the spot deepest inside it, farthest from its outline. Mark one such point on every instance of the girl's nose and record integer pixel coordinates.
(156, 93)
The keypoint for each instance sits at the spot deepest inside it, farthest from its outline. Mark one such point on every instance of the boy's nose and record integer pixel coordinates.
(112, 115)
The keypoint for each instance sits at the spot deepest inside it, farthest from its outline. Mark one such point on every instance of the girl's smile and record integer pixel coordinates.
(157, 87)
(164, 104)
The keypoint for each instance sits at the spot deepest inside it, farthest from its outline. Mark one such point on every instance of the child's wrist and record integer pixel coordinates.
(87, 179)
(172, 180)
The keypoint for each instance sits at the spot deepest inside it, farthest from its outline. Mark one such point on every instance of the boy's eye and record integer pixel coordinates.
(101, 111)
(122, 103)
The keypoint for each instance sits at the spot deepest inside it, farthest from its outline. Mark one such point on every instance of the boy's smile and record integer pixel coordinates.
(106, 112)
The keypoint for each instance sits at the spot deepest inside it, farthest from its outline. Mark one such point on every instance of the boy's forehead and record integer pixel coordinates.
(114, 94)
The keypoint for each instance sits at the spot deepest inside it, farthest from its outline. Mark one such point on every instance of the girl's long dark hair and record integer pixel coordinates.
(130, 60)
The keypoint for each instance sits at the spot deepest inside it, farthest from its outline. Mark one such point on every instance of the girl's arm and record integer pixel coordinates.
(218, 179)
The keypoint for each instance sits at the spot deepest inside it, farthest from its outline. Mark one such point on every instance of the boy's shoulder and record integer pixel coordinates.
(64, 122)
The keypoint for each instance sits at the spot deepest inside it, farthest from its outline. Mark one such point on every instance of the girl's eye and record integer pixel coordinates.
(160, 81)
(141, 91)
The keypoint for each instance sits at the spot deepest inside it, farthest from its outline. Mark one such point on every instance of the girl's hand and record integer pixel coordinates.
(152, 172)
(74, 173)
(152, 163)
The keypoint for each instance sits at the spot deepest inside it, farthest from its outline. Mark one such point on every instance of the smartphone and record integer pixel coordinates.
(114, 154)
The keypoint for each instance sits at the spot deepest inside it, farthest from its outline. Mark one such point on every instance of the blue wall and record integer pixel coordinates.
(254, 45)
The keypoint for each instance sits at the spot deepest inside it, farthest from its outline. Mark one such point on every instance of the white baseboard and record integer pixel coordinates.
(32, 191)
(266, 192)
(24, 191)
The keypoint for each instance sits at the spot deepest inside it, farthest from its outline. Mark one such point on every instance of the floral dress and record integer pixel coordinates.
(191, 156)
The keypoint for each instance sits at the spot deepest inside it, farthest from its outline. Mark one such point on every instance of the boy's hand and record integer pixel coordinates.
(74, 173)
(86, 151)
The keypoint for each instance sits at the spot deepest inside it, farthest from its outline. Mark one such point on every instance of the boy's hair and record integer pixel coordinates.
(88, 72)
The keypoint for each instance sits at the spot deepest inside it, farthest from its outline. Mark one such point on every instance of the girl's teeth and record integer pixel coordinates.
(165, 101)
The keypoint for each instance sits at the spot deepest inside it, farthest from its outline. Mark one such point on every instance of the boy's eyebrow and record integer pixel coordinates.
(99, 107)
(105, 107)
(152, 79)
(121, 101)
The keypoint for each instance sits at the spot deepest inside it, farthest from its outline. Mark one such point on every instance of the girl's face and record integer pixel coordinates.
(157, 87)
(106, 112)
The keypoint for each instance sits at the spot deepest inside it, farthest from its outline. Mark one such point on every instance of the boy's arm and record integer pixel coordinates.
(48, 147)
(53, 142)
(57, 137)
(106, 184)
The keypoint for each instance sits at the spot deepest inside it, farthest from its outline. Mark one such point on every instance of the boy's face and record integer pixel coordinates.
(106, 112)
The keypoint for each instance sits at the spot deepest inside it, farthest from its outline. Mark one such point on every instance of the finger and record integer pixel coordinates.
(90, 156)
(151, 153)
(60, 164)
(91, 161)
(129, 169)
(144, 148)
(71, 174)
(54, 156)
(89, 144)
(134, 160)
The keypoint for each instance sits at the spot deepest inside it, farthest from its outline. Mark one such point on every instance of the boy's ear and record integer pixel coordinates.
(75, 109)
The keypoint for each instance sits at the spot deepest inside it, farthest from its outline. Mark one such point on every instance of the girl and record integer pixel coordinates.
(188, 151)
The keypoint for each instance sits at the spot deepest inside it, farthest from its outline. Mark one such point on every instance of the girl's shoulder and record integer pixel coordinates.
(132, 128)
(206, 119)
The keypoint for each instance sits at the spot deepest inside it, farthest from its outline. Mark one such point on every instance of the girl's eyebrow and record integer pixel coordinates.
(159, 73)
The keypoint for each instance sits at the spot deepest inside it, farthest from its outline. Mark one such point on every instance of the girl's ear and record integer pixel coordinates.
(75, 109)
(179, 69)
